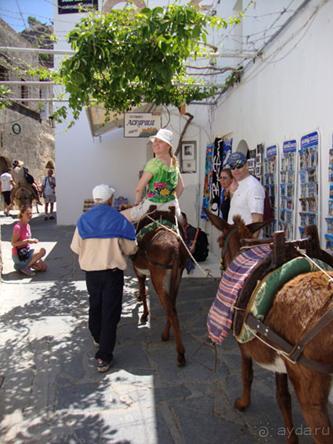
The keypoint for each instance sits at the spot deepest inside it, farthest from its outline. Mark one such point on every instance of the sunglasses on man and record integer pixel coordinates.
(237, 166)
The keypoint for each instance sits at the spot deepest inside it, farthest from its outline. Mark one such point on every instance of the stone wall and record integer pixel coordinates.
(34, 145)
(25, 130)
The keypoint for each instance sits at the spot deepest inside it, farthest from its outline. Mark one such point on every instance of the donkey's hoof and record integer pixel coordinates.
(181, 361)
(165, 337)
(240, 405)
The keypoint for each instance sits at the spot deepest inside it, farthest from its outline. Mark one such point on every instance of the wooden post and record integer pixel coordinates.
(279, 249)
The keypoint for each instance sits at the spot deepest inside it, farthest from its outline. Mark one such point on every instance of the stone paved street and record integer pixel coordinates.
(50, 390)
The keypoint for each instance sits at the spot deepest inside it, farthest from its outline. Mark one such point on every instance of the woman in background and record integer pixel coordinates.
(229, 186)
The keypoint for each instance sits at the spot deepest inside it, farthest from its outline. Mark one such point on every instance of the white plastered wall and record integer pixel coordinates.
(289, 92)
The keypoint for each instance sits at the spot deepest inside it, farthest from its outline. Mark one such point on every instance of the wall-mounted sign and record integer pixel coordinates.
(141, 124)
(73, 6)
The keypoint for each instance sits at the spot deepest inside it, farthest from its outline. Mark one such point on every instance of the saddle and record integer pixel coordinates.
(154, 221)
(284, 261)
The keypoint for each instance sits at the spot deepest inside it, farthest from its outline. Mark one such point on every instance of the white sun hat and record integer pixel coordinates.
(102, 193)
(165, 135)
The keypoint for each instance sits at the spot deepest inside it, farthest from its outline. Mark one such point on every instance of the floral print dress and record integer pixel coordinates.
(161, 187)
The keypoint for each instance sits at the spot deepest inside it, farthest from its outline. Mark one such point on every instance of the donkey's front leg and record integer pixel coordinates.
(247, 378)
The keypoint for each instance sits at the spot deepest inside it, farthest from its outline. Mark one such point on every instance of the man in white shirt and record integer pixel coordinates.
(248, 199)
(102, 239)
(6, 186)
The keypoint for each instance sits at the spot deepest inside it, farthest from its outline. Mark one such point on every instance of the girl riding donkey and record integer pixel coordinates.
(161, 175)
(161, 254)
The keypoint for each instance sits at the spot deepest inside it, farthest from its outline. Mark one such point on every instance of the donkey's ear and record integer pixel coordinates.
(219, 223)
(256, 226)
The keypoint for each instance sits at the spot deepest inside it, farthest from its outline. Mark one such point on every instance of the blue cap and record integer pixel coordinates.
(237, 159)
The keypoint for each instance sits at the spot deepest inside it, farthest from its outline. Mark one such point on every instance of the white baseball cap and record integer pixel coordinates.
(165, 135)
(103, 192)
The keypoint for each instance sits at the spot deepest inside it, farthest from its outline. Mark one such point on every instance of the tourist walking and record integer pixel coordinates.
(49, 194)
(102, 239)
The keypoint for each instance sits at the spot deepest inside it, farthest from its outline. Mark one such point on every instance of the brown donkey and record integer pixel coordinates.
(162, 256)
(297, 308)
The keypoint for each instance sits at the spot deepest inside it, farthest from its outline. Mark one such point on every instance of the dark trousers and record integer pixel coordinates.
(105, 290)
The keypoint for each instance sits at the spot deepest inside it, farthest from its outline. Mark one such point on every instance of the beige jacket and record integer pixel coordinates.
(102, 254)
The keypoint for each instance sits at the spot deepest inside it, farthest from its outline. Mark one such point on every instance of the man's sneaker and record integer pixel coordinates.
(103, 366)
(27, 271)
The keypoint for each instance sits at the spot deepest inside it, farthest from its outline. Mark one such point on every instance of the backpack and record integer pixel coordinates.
(28, 177)
(201, 247)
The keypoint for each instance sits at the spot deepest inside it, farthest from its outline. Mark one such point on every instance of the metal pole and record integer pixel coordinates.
(37, 50)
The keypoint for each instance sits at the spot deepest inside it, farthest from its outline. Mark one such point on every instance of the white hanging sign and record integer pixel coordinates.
(141, 124)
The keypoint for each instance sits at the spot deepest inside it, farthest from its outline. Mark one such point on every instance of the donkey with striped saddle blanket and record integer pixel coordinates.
(295, 338)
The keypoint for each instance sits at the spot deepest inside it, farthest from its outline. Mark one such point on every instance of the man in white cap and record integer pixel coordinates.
(161, 176)
(102, 238)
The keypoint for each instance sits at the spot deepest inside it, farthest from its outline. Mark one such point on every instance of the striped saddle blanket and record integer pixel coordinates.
(221, 313)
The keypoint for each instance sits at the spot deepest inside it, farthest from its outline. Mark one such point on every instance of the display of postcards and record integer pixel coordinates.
(271, 167)
(304, 190)
(330, 175)
(283, 176)
(290, 176)
(312, 158)
(329, 225)
(258, 171)
(258, 158)
(290, 189)
(312, 175)
(330, 207)
(312, 189)
(331, 191)
(283, 189)
(304, 204)
(312, 219)
(284, 164)
(301, 231)
(290, 205)
(303, 175)
(312, 204)
(303, 218)
(302, 162)
(331, 158)
(289, 217)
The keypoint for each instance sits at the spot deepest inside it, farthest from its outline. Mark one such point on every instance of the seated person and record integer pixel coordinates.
(24, 257)
(161, 175)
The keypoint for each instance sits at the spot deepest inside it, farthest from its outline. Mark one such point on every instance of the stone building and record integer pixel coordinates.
(26, 132)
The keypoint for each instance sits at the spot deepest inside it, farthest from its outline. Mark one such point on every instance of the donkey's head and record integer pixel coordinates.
(232, 235)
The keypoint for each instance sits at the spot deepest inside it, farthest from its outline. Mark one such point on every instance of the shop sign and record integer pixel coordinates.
(141, 124)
